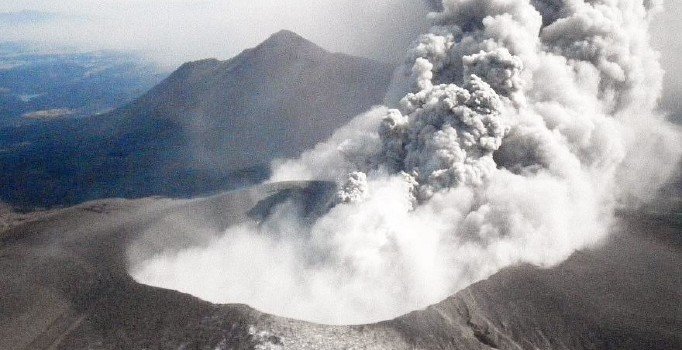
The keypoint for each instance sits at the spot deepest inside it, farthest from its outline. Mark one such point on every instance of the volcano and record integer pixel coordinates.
(513, 192)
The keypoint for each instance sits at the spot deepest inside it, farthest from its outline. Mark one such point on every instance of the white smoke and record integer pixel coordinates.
(526, 124)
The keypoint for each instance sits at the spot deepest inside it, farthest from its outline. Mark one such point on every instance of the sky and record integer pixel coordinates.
(666, 38)
(175, 31)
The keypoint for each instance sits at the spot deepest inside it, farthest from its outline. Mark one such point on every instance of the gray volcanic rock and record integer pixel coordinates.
(65, 286)
(211, 125)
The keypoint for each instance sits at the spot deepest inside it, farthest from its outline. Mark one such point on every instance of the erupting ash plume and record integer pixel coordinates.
(523, 125)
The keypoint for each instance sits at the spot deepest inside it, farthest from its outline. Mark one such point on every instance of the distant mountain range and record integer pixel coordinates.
(210, 125)
(35, 85)
(26, 17)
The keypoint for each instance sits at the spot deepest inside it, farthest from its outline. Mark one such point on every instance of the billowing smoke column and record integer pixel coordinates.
(523, 125)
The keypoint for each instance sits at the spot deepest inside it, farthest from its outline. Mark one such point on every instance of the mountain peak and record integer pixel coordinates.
(286, 35)
(285, 40)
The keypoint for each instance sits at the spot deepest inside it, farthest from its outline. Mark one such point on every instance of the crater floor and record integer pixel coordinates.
(64, 285)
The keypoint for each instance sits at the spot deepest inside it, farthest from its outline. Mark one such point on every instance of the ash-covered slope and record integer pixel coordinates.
(276, 99)
(210, 125)
(66, 287)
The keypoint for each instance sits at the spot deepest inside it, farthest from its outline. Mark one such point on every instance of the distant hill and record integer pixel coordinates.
(210, 125)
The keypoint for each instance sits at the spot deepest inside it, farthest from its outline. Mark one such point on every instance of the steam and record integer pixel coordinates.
(525, 124)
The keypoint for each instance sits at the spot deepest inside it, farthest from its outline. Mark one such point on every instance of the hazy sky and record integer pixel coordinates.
(175, 31)
(666, 36)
